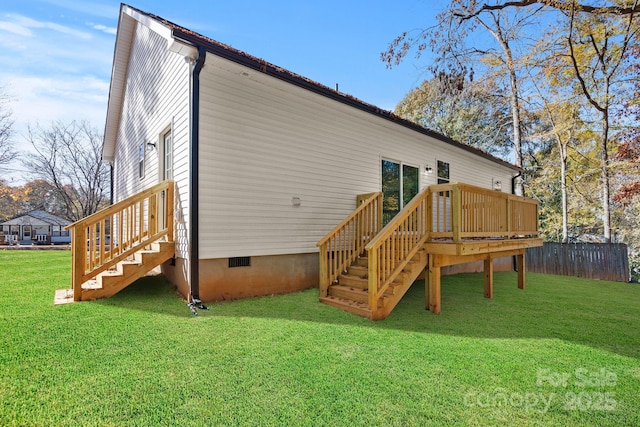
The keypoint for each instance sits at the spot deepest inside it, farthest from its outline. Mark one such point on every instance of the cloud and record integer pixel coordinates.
(103, 28)
(93, 8)
(46, 99)
(22, 25)
(14, 28)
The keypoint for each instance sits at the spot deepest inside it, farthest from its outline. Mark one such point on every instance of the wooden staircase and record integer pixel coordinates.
(114, 247)
(366, 269)
(124, 273)
(350, 292)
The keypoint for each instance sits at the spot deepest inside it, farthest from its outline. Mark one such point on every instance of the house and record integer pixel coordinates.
(37, 226)
(235, 169)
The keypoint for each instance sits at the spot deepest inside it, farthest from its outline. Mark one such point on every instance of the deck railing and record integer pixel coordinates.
(342, 245)
(105, 238)
(395, 245)
(461, 211)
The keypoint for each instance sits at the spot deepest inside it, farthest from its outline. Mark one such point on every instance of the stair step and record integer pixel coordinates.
(357, 270)
(362, 261)
(353, 281)
(356, 294)
(354, 307)
(91, 284)
(349, 293)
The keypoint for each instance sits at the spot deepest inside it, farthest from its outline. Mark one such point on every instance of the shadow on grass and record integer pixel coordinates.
(602, 315)
(153, 294)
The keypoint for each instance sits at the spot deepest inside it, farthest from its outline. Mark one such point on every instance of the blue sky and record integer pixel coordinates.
(56, 55)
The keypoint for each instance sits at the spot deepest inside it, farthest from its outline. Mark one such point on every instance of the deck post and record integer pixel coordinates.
(456, 212)
(374, 281)
(323, 286)
(433, 284)
(78, 259)
(488, 277)
(521, 269)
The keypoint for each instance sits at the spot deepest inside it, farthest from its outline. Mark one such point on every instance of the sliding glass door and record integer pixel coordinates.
(400, 184)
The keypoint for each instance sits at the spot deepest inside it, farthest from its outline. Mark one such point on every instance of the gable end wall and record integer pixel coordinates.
(156, 97)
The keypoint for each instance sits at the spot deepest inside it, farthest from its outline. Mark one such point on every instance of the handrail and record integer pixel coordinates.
(109, 236)
(395, 245)
(345, 242)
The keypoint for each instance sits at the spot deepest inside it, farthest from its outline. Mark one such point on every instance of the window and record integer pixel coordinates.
(167, 155)
(141, 160)
(399, 185)
(443, 172)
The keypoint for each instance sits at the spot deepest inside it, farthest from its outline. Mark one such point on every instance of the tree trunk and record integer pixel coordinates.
(563, 189)
(606, 196)
(514, 99)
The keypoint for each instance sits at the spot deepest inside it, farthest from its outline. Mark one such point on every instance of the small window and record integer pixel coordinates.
(168, 155)
(241, 261)
(141, 160)
(443, 172)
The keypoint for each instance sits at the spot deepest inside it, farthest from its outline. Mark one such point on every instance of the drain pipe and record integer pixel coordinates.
(513, 182)
(513, 191)
(194, 183)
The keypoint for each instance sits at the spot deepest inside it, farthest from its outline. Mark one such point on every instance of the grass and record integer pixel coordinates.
(564, 352)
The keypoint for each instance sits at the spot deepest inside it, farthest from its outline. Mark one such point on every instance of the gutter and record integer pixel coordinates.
(194, 183)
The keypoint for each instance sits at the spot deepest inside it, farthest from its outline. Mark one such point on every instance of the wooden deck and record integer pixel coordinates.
(449, 224)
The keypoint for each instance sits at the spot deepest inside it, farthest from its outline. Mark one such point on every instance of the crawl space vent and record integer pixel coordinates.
(241, 261)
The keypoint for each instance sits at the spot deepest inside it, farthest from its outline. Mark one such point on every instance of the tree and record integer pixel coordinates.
(9, 202)
(450, 40)
(607, 8)
(563, 122)
(476, 115)
(7, 152)
(628, 152)
(599, 47)
(69, 158)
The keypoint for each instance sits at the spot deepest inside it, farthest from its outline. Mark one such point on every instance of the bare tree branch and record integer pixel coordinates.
(556, 4)
(68, 156)
(7, 152)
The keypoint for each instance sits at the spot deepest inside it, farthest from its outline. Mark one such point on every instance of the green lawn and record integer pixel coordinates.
(563, 352)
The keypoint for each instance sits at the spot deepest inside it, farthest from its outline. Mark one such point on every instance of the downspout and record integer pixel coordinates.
(513, 182)
(194, 182)
(111, 197)
(513, 191)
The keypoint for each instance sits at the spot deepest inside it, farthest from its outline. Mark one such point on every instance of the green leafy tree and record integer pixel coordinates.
(476, 115)
(460, 49)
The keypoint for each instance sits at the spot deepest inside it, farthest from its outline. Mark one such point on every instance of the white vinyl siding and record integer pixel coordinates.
(156, 99)
(264, 142)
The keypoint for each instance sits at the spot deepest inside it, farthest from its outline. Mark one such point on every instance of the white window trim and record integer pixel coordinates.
(161, 151)
(437, 174)
(401, 163)
(142, 160)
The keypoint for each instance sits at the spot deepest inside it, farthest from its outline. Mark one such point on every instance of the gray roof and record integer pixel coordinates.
(45, 216)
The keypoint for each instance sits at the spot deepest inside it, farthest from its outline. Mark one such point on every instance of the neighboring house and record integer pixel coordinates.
(36, 226)
(263, 162)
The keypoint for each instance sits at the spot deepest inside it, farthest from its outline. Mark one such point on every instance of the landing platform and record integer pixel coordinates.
(63, 296)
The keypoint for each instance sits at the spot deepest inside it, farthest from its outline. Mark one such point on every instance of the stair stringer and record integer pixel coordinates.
(409, 274)
(109, 283)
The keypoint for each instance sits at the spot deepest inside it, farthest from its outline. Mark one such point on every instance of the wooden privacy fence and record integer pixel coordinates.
(604, 261)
